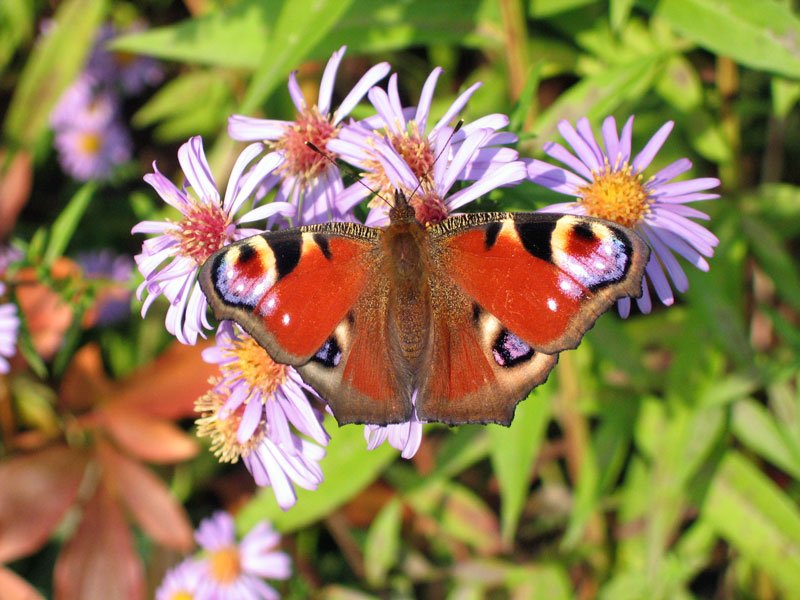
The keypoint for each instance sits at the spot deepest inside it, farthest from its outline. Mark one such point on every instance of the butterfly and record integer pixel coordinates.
(459, 320)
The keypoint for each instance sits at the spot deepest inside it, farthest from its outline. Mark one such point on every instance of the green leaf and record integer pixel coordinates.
(67, 222)
(775, 259)
(757, 519)
(601, 94)
(513, 450)
(53, 65)
(785, 96)
(620, 11)
(348, 468)
(16, 24)
(762, 35)
(383, 543)
(300, 26)
(758, 429)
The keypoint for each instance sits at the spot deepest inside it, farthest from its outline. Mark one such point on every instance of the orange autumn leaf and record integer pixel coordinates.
(85, 382)
(16, 179)
(16, 588)
(100, 560)
(156, 511)
(38, 488)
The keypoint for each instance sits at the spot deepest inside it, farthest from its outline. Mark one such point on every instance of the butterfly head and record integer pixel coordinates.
(401, 211)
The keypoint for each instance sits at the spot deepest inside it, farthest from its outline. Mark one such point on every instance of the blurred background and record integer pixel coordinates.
(660, 460)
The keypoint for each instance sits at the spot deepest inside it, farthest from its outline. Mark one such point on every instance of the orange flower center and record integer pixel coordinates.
(203, 231)
(90, 143)
(254, 366)
(222, 429)
(616, 195)
(300, 160)
(225, 565)
(182, 595)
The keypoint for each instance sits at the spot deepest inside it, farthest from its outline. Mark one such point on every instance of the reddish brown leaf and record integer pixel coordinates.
(46, 314)
(15, 187)
(148, 499)
(169, 386)
(99, 561)
(147, 438)
(16, 588)
(37, 490)
(85, 381)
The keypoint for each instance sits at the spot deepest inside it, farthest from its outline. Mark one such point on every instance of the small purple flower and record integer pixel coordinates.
(609, 184)
(404, 129)
(170, 261)
(9, 328)
(234, 570)
(259, 410)
(181, 582)
(305, 179)
(113, 272)
(405, 437)
(85, 105)
(92, 152)
(130, 72)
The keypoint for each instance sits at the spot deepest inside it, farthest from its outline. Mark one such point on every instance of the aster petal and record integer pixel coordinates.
(586, 133)
(648, 153)
(611, 140)
(560, 153)
(397, 170)
(669, 172)
(426, 97)
(268, 210)
(360, 89)
(255, 178)
(625, 140)
(245, 158)
(327, 81)
(250, 129)
(351, 196)
(455, 167)
(192, 159)
(456, 107)
(217, 531)
(569, 208)
(579, 145)
(685, 187)
(507, 174)
(685, 199)
(678, 245)
(158, 227)
(380, 100)
(658, 278)
(167, 190)
(281, 485)
(668, 261)
(494, 121)
(645, 302)
(555, 178)
(251, 417)
(684, 211)
(684, 226)
(624, 306)
(296, 93)
(394, 97)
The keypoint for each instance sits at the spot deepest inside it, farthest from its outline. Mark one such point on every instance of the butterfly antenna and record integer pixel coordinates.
(360, 180)
(458, 126)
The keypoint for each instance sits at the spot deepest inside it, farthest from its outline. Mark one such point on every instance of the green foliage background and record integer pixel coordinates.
(662, 458)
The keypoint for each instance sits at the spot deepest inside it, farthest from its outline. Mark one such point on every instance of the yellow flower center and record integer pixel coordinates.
(182, 595)
(254, 366)
(616, 195)
(221, 429)
(225, 565)
(90, 143)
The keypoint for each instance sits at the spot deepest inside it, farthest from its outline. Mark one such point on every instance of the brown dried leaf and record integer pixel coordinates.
(100, 561)
(16, 588)
(15, 188)
(169, 386)
(148, 499)
(85, 382)
(37, 488)
(147, 438)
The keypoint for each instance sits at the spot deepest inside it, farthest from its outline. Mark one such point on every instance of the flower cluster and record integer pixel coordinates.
(227, 569)
(262, 412)
(90, 136)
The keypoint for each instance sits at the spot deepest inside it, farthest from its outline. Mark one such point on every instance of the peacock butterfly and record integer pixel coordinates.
(470, 313)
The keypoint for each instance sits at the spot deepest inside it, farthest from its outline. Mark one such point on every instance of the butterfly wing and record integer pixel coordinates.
(310, 297)
(513, 290)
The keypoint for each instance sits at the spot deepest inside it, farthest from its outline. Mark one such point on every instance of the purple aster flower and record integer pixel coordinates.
(92, 152)
(405, 437)
(182, 582)
(405, 130)
(236, 570)
(259, 410)
(428, 195)
(307, 180)
(85, 105)
(130, 72)
(610, 184)
(9, 328)
(170, 261)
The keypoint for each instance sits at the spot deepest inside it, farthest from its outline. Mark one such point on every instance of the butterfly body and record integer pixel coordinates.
(458, 320)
